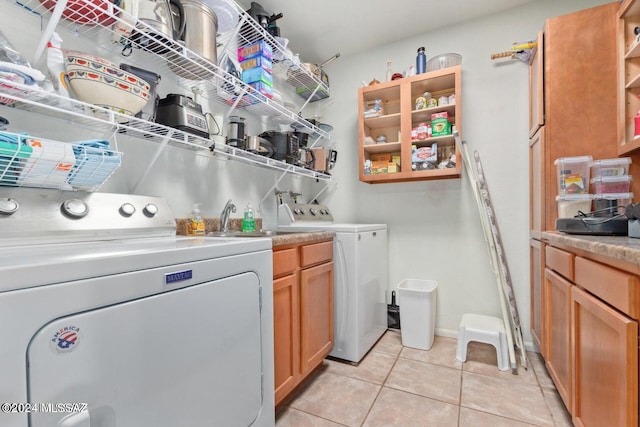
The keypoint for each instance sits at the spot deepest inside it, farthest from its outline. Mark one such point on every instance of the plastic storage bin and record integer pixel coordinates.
(417, 300)
(611, 184)
(571, 205)
(610, 167)
(573, 174)
(610, 204)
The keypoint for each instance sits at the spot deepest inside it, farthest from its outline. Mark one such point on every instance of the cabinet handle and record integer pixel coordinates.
(375, 234)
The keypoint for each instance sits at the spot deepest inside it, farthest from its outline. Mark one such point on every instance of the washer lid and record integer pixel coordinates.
(337, 227)
(37, 265)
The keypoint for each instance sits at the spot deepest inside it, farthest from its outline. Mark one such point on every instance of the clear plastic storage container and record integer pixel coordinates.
(573, 174)
(611, 184)
(610, 204)
(610, 167)
(572, 205)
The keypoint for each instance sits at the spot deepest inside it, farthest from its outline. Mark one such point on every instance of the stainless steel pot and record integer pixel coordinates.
(256, 144)
(317, 69)
(200, 24)
(164, 30)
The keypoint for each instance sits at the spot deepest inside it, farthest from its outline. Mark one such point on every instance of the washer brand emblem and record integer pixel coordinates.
(66, 339)
(178, 276)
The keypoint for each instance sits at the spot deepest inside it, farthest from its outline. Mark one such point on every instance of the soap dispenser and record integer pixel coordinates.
(248, 220)
(195, 225)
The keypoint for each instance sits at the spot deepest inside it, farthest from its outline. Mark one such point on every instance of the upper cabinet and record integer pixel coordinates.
(629, 76)
(192, 68)
(403, 136)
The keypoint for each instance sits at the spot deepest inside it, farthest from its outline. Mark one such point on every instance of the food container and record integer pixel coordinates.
(610, 204)
(440, 124)
(573, 174)
(572, 205)
(444, 60)
(611, 184)
(610, 167)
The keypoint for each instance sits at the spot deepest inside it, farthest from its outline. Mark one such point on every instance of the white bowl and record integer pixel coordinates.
(100, 65)
(105, 91)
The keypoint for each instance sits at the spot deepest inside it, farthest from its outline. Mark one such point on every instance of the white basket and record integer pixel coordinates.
(27, 161)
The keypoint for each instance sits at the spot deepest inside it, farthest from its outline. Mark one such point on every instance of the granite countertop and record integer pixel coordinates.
(620, 248)
(235, 224)
(293, 238)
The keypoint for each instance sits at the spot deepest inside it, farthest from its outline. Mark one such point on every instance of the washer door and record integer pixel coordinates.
(189, 357)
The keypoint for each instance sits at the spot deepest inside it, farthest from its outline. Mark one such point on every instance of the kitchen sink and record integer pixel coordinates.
(237, 233)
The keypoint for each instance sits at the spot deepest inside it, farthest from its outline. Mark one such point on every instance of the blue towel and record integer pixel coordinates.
(95, 162)
(13, 151)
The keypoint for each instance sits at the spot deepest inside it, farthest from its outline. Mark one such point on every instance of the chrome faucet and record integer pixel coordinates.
(224, 216)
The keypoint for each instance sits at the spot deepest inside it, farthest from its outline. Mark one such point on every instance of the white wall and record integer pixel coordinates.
(434, 227)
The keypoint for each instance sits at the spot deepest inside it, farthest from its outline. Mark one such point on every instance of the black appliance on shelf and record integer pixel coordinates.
(181, 112)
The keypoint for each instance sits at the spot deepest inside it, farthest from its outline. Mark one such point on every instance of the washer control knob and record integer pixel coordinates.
(127, 209)
(313, 211)
(150, 210)
(8, 206)
(326, 211)
(75, 208)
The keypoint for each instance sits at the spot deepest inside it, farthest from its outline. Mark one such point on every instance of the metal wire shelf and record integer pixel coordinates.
(112, 29)
(33, 99)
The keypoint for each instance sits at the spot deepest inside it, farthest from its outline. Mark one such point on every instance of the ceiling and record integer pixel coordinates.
(318, 29)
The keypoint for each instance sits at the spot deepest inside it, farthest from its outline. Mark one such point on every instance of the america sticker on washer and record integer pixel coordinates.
(65, 340)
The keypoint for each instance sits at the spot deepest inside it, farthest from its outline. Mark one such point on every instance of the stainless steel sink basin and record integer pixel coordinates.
(262, 233)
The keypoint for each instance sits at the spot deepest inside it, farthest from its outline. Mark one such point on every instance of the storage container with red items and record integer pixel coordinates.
(611, 184)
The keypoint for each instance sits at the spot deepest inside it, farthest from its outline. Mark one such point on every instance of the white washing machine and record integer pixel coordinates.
(360, 276)
(106, 311)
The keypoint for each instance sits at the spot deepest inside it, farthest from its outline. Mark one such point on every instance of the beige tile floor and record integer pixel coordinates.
(400, 386)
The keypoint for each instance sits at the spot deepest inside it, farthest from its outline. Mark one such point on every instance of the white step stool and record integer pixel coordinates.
(486, 329)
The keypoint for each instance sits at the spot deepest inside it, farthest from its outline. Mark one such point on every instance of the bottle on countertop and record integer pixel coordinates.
(421, 61)
(195, 225)
(248, 219)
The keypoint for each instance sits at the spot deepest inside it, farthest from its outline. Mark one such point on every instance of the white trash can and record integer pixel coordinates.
(417, 312)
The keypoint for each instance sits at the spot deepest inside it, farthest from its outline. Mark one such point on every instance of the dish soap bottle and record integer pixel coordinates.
(195, 225)
(248, 220)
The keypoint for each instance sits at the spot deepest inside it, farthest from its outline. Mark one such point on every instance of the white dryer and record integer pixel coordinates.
(159, 331)
(360, 276)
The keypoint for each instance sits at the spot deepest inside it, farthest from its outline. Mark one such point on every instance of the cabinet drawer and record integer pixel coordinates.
(316, 253)
(618, 288)
(284, 261)
(560, 261)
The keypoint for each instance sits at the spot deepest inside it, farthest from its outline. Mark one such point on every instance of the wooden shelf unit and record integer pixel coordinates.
(400, 116)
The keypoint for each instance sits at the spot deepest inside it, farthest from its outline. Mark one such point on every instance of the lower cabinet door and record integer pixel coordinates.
(316, 315)
(557, 309)
(605, 360)
(286, 331)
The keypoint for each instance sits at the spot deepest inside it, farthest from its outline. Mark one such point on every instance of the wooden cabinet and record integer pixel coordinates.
(629, 75)
(399, 116)
(590, 333)
(556, 335)
(536, 252)
(575, 106)
(605, 363)
(302, 310)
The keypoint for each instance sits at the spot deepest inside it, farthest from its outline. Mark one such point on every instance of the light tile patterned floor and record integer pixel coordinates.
(396, 386)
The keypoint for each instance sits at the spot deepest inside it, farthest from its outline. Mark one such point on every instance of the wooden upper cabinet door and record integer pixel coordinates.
(537, 173)
(605, 364)
(536, 87)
